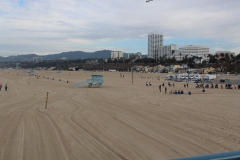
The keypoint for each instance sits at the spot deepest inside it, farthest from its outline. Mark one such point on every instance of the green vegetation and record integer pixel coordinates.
(231, 63)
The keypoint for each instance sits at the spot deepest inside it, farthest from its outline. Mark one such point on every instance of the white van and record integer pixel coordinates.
(168, 77)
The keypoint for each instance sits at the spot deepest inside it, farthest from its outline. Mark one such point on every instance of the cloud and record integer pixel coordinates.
(79, 41)
(89, 23)
(236, 50)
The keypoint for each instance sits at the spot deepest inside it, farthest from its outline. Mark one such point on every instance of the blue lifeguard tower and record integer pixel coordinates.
(96, 81)
(59, 71)
(30, 73)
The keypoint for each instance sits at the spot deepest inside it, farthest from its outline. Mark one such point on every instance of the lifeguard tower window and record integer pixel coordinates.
(222, 81)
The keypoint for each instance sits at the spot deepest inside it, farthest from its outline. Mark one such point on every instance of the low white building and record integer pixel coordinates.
(167, 50)
(37, 59)
(63, 58)
(117, 55)
(137, 55)
(192, 50)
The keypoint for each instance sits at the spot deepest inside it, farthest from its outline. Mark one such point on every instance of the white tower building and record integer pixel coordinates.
(154, 41)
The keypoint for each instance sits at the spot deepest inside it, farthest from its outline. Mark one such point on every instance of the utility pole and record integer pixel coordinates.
(132, 75)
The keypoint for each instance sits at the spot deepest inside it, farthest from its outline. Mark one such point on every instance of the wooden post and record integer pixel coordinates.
(46, 101)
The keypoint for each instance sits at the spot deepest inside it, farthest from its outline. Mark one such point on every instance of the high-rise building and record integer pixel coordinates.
(167, 50)
(154, 41)
(117, 54)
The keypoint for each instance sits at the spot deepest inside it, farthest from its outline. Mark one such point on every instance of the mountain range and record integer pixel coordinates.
(69, 55)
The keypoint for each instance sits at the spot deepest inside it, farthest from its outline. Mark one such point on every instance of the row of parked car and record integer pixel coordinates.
(185, 77)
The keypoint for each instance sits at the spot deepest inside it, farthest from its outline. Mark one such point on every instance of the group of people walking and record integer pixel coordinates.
(148, 84)
(160, 88)
(6, 86)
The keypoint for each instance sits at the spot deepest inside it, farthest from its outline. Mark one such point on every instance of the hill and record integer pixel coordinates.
(69, 55)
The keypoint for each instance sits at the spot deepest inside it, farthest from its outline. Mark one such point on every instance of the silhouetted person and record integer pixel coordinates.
(160, 87)
(6, 87)
(165, 89)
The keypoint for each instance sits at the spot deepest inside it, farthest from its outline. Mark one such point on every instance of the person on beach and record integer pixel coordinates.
(6, 87)
(212, 86)
(160, 87)
(196, 85)
(165, 89)
(0, 86)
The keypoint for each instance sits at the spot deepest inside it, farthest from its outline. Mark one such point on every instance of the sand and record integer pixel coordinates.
(117, 121)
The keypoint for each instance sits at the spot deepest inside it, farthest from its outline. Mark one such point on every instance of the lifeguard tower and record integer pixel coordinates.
(59, 71)
(96, 81)
(30, 73)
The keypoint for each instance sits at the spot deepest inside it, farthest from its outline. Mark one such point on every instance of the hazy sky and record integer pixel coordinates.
(55, 26)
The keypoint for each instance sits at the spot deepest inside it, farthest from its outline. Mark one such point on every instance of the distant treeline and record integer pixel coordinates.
(231, 64)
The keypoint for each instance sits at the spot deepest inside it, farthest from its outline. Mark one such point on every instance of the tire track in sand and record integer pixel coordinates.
(94, 137)
(56, 133)
(168, 145)
(21, 142)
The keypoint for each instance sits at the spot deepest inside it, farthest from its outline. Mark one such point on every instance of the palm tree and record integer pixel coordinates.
(227, 56)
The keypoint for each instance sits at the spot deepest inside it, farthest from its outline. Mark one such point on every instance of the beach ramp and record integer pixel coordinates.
(80, 84)
(30, 73)
(234, 155)
(96, 81)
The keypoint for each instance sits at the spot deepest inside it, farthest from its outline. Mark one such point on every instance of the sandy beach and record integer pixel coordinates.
(119, 120)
